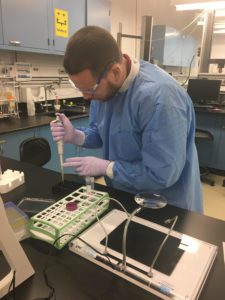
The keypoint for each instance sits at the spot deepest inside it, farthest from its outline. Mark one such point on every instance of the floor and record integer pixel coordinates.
(213, 197)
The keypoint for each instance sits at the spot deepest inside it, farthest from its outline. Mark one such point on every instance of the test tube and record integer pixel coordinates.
(90, 183)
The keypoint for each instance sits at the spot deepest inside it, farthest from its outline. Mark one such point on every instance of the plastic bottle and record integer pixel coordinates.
(11, 102)
(30, 107)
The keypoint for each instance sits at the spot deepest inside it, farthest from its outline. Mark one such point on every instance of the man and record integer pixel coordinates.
(139, 115)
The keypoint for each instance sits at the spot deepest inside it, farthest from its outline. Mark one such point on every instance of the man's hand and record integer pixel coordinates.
(64, 131)
(88, 165)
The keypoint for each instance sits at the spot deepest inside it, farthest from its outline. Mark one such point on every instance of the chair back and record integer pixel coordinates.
(35, 150)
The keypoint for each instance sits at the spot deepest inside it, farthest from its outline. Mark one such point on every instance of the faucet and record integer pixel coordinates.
(51, 88)
(48, 88)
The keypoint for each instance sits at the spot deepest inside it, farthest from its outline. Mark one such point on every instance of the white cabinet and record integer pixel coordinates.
(1, 32)
(98, 13)
(172, 48)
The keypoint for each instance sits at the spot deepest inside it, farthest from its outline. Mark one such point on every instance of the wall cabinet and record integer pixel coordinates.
(98, 13)
(28, 25)
(1, 32)
(76, 20)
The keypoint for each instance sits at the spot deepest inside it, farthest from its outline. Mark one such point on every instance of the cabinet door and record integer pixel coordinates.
(220, 148)
(98, 13)
(1, 32)
(70, 15)
(70, 150)
(25, 23)
(13, 141)
(207, 148)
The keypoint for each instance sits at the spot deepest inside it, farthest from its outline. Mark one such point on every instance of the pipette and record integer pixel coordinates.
(59, 143)
(60, 153)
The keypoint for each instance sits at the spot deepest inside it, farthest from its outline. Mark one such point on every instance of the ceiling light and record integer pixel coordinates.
(220, 13)
(219, 31)
(202, 5)
(216, 25)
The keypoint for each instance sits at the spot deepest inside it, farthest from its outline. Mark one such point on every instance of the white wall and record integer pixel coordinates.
(130, 12)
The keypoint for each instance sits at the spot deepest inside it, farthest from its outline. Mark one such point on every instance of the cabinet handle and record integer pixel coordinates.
(2, 142)
(16, 43)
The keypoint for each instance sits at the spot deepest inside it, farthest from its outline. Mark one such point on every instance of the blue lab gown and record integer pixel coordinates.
(149, 131)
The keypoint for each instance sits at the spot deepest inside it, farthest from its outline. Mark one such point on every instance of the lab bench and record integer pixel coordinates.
(74, 277)
(14, 130)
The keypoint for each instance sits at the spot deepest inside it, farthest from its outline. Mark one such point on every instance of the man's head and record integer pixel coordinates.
(94, 63)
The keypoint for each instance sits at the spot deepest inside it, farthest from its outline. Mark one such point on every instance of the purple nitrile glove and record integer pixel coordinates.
(64, 131)
(88, 165)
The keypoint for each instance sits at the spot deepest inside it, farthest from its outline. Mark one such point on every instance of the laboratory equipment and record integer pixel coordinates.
(148, 200)
(90, 183)
(144, 200)
(60, 152)
(59, 143)
(204, 91)
(173, 272)
(20, 266)
(8, 101)
(17, 219)
(57, 220)
(32, 206)
(37, 93)
(10, 179)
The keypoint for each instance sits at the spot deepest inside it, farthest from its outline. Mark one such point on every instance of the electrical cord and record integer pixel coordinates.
(189, 71)
(13, 285)
(101, 224)
(150, 273)
(52, 294)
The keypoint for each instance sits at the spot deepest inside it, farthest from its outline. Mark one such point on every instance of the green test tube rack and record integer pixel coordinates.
(56, 220)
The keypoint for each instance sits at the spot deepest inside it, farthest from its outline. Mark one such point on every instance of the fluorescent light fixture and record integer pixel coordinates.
(216, 25)
(219, 31)
(220, 13)
(202, 5)
(219, 25)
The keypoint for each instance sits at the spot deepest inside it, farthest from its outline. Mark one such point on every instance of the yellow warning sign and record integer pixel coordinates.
(61, 23)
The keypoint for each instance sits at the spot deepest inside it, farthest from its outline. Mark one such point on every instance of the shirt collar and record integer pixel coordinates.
(135, 66)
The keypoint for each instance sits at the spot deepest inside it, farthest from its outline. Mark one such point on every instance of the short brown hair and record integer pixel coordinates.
(91, 48)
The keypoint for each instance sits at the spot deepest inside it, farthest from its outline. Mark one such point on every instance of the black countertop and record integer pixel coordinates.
(210, 109)
(16, 124)
(76, 278)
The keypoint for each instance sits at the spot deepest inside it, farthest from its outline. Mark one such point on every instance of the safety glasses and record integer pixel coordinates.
(92, 90)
